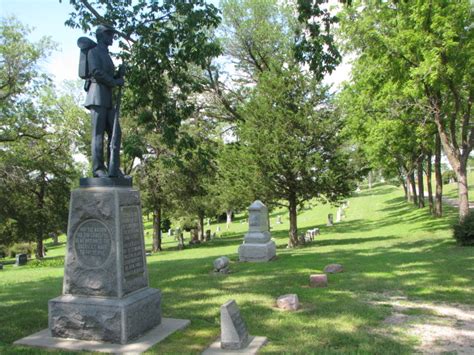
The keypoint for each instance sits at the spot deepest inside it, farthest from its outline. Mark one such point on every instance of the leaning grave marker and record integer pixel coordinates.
(234, 335)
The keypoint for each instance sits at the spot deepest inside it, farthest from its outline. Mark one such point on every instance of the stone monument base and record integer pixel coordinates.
(257, 252)
(43, 339)
(255, 344)
(114, 320)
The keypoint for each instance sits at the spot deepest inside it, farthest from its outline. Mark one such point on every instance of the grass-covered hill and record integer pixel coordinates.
(388, 248)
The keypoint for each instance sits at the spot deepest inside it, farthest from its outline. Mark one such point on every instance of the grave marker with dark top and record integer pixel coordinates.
(21, 259)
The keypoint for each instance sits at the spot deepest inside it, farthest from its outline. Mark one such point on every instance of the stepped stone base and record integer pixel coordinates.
(257, 252)
(105, 319)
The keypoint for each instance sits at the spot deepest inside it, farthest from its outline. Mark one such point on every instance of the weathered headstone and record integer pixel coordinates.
(221, 265)
(288, 302)
(257, 244)
(333, 268)
(105, 290)
(278, 221)
(208, 235)
(234, 333)
(339, 215)
(21, 259)
(330, 220)
(318, 280)
(234, 336)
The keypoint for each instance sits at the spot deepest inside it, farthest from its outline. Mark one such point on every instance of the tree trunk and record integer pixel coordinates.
(428, 182)
(157, 230)
(201, 227)
(405, 190)
(421, 189)
(438, 208)
(293, 221)
(408, 186)
(411, 179)
(463, 191)
(229, 218)
(39, 253)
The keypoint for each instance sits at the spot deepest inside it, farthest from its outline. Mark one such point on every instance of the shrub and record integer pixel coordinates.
(21, 248)
(449, 175)
(463, 231)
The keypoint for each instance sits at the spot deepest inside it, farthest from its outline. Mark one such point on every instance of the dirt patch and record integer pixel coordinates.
(438, 327)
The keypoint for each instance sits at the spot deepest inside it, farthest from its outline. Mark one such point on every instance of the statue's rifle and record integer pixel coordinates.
(114, 163)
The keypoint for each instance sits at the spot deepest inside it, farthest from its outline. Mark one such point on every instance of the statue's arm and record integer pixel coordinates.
(95, 67)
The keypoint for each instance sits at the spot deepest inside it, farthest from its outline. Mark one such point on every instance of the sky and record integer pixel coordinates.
(47, 17)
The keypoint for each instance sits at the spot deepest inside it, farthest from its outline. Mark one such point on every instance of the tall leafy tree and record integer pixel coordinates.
(294, 138)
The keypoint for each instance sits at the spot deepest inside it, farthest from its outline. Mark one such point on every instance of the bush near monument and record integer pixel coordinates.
(463, 231)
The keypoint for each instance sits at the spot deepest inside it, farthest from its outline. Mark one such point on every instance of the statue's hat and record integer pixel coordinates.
(104, 28)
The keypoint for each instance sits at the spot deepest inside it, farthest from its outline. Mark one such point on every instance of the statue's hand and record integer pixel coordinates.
(119, 82)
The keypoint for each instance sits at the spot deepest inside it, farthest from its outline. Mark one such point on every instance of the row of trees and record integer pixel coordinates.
(411, 90)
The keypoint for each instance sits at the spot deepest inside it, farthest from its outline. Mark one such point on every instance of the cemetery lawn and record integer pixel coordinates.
(388, 249)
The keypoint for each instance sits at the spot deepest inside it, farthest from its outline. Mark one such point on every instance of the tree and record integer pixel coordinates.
(36, 175)
(19, 75)
(294, 138)
(431, 43)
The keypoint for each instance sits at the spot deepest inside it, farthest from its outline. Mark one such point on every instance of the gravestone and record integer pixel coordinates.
(278, 221)
(257, 244)
(330, 220)
(234, 337)
(208, 235)
(105, 289)
(1, 266)
(339, 215)
(21, 259)
(221, 265)
(234, 333)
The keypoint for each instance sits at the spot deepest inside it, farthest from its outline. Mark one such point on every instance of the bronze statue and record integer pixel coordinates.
(97, 68)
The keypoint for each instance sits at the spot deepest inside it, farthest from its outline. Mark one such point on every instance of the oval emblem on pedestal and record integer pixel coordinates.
(92, 243)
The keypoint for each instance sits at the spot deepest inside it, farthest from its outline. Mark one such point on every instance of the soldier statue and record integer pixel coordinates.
(97, 68)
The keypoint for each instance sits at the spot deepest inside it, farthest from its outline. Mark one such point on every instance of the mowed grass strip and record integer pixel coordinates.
(387, 247)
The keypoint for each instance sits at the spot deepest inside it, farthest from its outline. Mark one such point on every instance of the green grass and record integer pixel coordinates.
(451, 190)
(386, 246)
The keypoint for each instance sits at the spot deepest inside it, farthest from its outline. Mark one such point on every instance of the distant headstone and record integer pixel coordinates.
(330, 220)
(257, 244)
(21, 259)
(288, 302)
(358, 189)
(234, 335)
(318, 280)
(339, 215)
(208, 235)
(278, 221)
(170, 232)
(218, 229)
(333, 268)
(222, 265)
(1, 266)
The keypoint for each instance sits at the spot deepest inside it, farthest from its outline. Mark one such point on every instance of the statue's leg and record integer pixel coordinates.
(98, 115)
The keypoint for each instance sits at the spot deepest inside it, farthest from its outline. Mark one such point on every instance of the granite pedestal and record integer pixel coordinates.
(105, 290)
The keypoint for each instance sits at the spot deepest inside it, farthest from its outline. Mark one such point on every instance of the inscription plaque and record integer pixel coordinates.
(254, 220)
(132, 241)
(92, 243)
